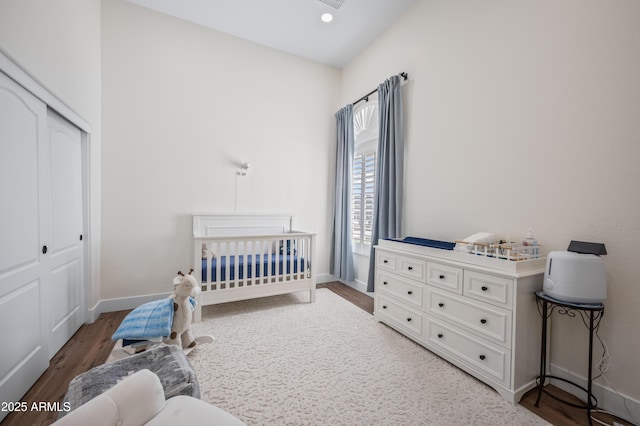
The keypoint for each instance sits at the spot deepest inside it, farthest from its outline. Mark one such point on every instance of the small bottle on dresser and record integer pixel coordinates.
(529, 241)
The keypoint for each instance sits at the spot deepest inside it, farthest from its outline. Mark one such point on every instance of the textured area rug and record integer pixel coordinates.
(284, 361)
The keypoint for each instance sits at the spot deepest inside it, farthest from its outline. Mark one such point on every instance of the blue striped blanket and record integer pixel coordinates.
(148, 321)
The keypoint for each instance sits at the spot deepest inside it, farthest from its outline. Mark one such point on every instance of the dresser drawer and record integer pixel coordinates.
(398, 314)
(407, 291)
(413, 268)
(489, 288)
(443, 276)
(386, 261)
(489, 360)
(484, 320)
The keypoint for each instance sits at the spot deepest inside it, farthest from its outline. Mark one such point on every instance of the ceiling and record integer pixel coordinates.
(293, 26)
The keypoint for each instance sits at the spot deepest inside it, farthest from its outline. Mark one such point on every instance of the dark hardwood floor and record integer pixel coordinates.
(91, 345)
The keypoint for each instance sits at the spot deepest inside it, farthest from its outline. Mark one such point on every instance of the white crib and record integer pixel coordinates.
(238, 257)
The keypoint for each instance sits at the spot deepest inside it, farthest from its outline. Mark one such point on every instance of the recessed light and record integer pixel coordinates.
(326, 17)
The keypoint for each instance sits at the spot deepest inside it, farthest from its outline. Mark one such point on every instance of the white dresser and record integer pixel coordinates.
(476, 312)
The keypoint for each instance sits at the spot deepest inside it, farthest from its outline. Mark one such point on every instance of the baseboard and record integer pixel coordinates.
(608, 399)
(325, 278)
(127, 303)
(358, 286)
(122, 304)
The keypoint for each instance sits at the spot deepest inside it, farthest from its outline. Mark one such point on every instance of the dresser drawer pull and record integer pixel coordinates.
(384, 306)
(440, 335)
(441, 305)
(483, 321)
(408, 319)
(442, 277)
(385, 261)
(484, 288)
(410, 268)
(482, 357)
(409, 292)
(384, 283)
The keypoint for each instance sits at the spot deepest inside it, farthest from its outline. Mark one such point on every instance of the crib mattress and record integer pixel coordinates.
(257, 266)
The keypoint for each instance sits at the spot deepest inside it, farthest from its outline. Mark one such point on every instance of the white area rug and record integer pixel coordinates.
(284, 361)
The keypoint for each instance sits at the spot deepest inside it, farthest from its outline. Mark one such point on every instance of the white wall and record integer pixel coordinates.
(183, 105)
(525, 115)
(58, 44)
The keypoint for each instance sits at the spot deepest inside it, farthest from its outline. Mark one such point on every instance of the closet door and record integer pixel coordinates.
(67, 242)
(25, 232)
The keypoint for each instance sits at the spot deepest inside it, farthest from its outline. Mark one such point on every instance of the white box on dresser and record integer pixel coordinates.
(476, 312)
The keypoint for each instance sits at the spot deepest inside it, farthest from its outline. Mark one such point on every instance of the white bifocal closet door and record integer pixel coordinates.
(25, 228)
(66, 248)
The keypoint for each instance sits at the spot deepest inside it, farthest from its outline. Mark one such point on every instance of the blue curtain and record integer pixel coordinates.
(387, 213)
(341, 264)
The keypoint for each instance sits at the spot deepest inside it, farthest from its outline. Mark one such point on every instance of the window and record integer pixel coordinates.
(364, 166)
(365, 123)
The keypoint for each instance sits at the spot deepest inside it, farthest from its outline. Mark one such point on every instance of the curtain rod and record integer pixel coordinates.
(366, 97)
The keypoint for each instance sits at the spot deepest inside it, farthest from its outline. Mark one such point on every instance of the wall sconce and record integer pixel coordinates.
(243, 168)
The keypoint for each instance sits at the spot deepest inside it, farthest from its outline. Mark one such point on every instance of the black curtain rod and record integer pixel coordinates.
(366, 97)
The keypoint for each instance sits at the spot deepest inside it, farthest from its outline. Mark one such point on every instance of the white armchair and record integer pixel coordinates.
(139, 400)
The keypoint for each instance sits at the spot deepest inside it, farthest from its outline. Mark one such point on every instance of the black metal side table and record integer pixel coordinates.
(591, 315)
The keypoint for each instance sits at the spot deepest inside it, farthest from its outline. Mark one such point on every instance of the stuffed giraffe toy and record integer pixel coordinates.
(186, 287)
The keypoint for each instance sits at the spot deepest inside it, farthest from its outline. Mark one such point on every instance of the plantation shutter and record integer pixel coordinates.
(364, 166)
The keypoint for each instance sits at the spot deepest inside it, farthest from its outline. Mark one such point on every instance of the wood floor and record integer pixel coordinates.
(91, 345)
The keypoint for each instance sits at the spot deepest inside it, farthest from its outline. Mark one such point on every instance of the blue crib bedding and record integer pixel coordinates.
(258, 267)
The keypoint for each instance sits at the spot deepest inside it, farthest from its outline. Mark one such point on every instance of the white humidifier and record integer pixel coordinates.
(575, 277)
